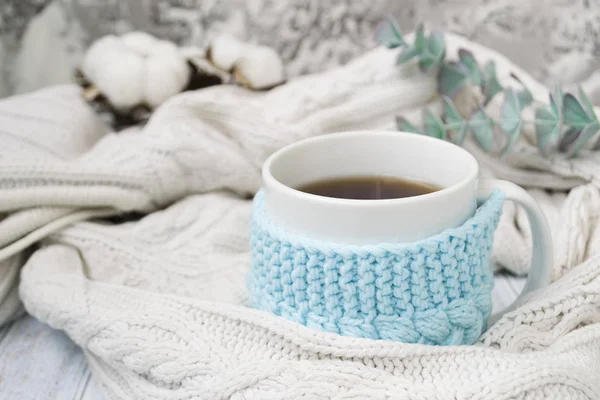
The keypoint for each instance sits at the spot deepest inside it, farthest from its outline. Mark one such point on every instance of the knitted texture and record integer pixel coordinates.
(435, 291)
(152, 304)
(158, 304)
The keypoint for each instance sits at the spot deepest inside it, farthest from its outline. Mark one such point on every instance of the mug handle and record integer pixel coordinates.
(540, 271)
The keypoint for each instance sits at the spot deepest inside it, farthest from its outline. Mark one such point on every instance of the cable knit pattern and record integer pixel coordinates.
(182, 154)
(181, 150)
(158, 304)
(435, 291)
(147, 345)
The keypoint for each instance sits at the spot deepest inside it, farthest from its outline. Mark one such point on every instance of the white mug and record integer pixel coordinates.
(393, 154)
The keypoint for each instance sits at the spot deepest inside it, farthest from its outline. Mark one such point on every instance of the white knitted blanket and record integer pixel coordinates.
(157, 303)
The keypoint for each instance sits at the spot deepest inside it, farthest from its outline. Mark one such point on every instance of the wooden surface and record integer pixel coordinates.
(39, 363)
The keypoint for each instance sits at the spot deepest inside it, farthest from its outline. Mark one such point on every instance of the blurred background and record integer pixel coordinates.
(42, 41)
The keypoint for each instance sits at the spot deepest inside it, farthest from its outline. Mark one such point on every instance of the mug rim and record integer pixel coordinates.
(270, 181)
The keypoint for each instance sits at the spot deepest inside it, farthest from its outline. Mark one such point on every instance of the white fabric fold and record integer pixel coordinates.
(158, 304)
(143, 342)
(10, 304)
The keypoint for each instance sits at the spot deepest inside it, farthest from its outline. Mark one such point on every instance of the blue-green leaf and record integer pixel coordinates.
(574, 114)
(568, 139)
(406, 54)
(547, 129)
(434, 52)
(433, 125)
(586, 134)
(405, 126)
(510, 118)
(388, 33)
(427, 63)
(454, 121)
(556, 102)
(524, 95)
(549, 123)
(490, 85)
(461, 134)
(450, 112)
(420, 39)
(510, 112)
(587, 104)
(452, 78)
(468, 60)
(482, 130)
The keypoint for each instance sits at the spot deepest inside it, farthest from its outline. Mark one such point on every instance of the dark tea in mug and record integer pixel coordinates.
(369, 187)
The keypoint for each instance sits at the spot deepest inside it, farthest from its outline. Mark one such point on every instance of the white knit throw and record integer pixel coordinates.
(157, 303)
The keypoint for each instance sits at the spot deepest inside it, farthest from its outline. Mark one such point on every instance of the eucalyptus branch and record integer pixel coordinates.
(567, 125)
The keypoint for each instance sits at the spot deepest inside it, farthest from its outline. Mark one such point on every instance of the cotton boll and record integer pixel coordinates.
(115, 71)
(140, 42)
(225, 51)
(171, 57)
(93, 61)
(134, 70)
(121, 79)
(202, 68)
(167, 73)
(259, 68)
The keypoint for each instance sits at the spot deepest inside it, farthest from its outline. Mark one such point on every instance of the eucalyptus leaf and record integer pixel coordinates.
(556, 102)
(434, 126)
(482, 130)
(452, 78)
(388, 33)
(587, 104)
(586, 134)
(547, 129)
(468, 60)
(510, 112)
(451, 114)
(405, 126)
(510, 118)
(568, 139)
(524, 95)
(454, 120)
(461, 134)
(549, 123)
(574, 114)
(420, 39)
(490, 85)
(427, 62)
(406, 54)
(434, 51)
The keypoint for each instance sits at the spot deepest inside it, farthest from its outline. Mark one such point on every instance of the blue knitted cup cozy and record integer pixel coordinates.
(435, 291)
